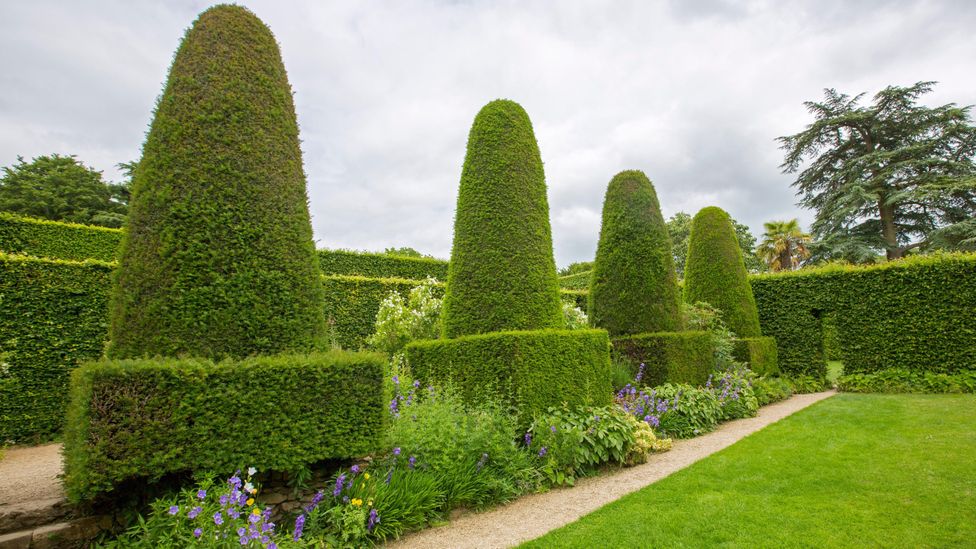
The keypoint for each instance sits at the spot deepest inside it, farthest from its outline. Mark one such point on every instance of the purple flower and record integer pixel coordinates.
(553, 428)
(241, 531)
(218, 518)
(201, 494)
(174, 509)
(412, 462)
(389, 476)
(235, 481)
(265, 539)
(253, 519)
(354, 469)
(374, 519)
(542, 452)
(194, 512)
(224, 499)
(654, 421)
(528, 439)
(233, 513)
(416, 384)
(272, 545)
(338, 485)
(640, 373)
(596, 418)
(299, 526)
(244, 540)
(396, 380)
(396, 451)
(198, 532)
(313, 504)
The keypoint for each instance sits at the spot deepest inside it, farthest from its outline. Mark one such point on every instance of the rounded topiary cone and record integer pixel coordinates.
(218, 258)
(634, 288)
(502, 275)
(716, 274)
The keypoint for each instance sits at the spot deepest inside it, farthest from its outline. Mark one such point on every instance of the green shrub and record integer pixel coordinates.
(716, 274)
(400, 321)
(576, 281)
(53, 316)
(574, 318)
(57, 240)
(530, 370)
(217, 258)
(576, 297)
(142, 419)
(733, 388)
(914, 314)
(771, 389)
(895, 380)
(804, 383)
(634, 289)
(758, 352)
(372, 265)
(677, 357)
(502, 275)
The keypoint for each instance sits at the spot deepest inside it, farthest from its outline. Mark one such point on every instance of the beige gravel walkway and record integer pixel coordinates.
(532, 516)
(30, 474)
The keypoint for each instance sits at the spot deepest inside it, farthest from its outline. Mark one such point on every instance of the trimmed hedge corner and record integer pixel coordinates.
(54, 315)
(57, 240)
(142, 419)
(533, 370)
(349, 263)
(759, 352)
(676, 357)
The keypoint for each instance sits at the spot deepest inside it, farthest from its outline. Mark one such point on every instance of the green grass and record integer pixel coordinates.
(851, 471)
(835, 369)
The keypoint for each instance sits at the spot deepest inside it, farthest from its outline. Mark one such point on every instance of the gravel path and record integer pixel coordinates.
(532, 516)
(30, 474)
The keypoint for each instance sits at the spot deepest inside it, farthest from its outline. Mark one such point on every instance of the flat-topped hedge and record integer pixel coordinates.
(53, 315)
(57, 240)
(142, 419)
(373, 265)
(676, 357)
(917, 314)
(577, 281)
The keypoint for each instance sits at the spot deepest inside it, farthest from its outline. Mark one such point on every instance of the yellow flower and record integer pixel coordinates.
(250, 501)
(369, 503)
(357, 502)
(366, 476)
(256, 511)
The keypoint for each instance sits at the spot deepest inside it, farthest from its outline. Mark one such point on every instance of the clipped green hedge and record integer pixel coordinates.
(502, 274)
(634, 289)
(53, 315)
(917, 314)
(676, 357)
(349, 263)
(577, 282)
(533, 370)
(896, 380)
(142, 419)
(57, 240)
(759, 352)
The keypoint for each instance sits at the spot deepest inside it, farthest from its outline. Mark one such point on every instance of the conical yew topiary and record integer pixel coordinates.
(716, 274)
(502, 275)
(634, 288)
(218, 258)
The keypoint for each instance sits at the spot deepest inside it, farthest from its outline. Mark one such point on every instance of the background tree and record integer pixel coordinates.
(886, 177)
(61, 188)
(679, 229)
(404, 251)
(784, 245)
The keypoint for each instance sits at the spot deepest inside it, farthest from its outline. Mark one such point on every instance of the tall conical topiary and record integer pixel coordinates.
(716, 274)
(634, 288)
(218, 258)
(502, 275)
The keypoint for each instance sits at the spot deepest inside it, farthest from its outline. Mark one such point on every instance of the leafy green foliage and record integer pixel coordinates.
(914, 314)
(576, 268)
(784, 245)
(679, 357)
(896, 380)
(217, 258)
(574, 317)
(57, 240)
(400, 321)
(770, 389)
(679, 229)
(60, 188)
(502, 275)
(576, 281)
(530, 370)
(759, 353)
(142, 419)
(715, 274)
(691, 410)
(634, 288)
(385, 265)
(52, 318)
(886, 176)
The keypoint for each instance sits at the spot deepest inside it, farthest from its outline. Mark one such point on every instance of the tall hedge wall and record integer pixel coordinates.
(716, 274)
(344, 262)
(916, 314)
(677, 357)
(532, 369)
(53, 315)
(217, 258)
(502, 274)
(57, 240)
(133, 419)
(634, 288)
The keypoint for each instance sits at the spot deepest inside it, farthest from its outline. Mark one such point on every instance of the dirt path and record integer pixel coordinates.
(532, 516)
(30, 474)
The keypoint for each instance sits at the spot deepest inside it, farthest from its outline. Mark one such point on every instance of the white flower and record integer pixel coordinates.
(251, 471)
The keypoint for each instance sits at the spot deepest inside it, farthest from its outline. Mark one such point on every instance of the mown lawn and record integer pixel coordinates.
(851, 471)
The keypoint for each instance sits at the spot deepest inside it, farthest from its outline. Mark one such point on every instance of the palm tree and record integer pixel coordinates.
(784, 245)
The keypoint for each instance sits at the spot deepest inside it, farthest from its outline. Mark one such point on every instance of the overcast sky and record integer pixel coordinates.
(692, 93)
